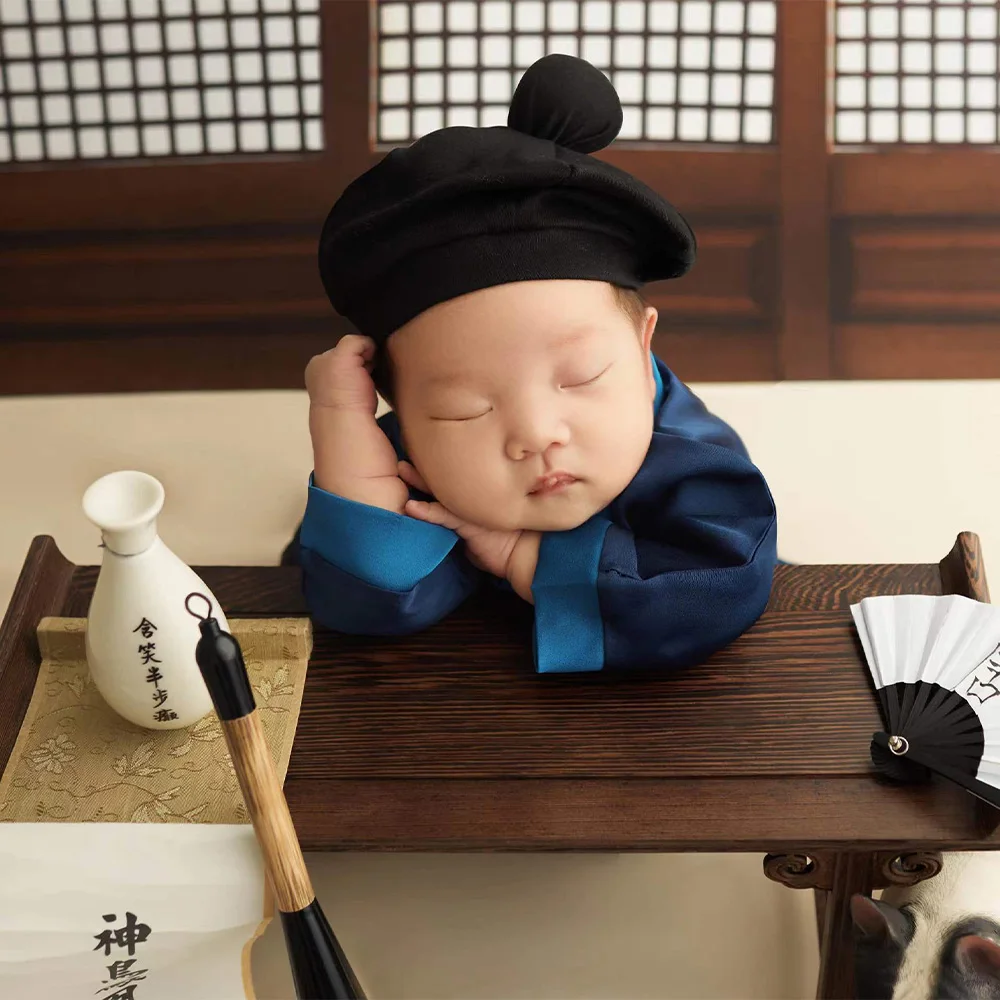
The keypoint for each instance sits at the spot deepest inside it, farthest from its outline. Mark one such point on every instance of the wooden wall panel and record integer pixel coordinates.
(162, 310)
(720, 322)
(718, 354)
(189, 357)
(743, 181)
(916, 182)
(73, 197)
(944, 270)
(732, 281)
(218, 308)
(915, 236)
(153, 278)
(918, 351)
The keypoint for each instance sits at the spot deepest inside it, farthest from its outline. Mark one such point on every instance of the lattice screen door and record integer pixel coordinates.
(915, 188)
(92, 80)
(166, 164)
(690, 72)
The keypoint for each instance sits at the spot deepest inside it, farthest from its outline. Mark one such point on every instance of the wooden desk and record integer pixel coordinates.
(449, 741)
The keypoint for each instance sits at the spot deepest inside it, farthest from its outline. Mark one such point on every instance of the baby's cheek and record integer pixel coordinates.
(455, 466)
(603, 425)
(619, 435)
(477, 472)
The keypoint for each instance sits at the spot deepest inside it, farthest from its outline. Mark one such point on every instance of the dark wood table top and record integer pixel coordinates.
(449, 740)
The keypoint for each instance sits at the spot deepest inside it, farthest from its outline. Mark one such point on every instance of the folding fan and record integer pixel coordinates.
(935, 662)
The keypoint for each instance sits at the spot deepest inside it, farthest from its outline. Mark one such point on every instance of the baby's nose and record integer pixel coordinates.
(537, 435)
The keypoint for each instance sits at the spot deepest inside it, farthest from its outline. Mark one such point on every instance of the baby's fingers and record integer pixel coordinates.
(434, 513)
(409, 474)
(353, 345)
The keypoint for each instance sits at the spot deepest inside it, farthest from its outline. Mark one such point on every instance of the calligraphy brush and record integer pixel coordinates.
(320, 969)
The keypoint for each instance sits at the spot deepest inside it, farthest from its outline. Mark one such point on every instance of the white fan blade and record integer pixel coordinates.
(918, 637)
(969, 650)
(981, 689)
(949, 625)
(878, 637)
(912, 622)
(857, 611)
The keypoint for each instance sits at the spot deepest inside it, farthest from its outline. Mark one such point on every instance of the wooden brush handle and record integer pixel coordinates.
(265, 801)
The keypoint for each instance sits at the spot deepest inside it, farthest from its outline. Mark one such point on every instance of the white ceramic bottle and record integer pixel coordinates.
(141, 637)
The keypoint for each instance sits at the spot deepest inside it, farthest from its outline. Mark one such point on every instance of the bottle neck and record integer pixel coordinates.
(131, 541)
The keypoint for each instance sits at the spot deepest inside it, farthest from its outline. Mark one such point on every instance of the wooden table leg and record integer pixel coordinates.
(820, 897)
(850, 873)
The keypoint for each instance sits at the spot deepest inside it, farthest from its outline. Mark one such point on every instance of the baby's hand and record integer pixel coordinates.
(510, 555)
(341, 377)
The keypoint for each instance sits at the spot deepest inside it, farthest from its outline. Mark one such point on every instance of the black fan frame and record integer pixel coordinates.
(943, 734)
(936, 719)
(916, 759)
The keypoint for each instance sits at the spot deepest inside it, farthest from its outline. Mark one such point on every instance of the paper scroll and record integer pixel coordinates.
(129, 911)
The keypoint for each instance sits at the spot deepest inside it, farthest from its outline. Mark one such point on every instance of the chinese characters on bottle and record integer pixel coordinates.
(147, 650)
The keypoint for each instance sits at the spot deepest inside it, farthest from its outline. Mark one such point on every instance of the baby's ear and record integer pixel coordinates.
(647, 342)
(649, 329)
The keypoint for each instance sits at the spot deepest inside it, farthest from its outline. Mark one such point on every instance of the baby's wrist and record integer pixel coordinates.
(353, 458)
(387, 492)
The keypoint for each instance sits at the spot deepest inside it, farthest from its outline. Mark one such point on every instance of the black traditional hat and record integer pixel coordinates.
(466, 208)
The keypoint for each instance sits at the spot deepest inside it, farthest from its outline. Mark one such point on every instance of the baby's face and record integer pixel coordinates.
(528, 405)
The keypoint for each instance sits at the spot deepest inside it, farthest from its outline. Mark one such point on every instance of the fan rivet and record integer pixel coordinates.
(898, 745)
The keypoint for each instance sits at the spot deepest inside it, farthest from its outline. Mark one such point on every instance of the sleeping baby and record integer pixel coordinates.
(534, 439)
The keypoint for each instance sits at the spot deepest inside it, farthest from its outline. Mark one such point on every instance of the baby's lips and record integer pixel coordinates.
(553, 479)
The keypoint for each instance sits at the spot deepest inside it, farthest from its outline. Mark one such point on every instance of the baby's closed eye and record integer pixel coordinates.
(577, 380)
(458, 406)
(463, 419)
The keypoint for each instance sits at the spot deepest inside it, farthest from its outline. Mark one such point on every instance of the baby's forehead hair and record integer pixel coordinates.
(631, 302)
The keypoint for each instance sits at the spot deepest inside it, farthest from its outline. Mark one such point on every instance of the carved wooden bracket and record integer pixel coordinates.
(815, 870)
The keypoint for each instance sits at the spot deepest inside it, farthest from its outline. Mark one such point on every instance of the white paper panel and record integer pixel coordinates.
(196, 892)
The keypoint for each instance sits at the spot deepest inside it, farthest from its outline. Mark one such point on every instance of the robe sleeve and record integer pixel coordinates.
(370, 571)
(678, 567)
